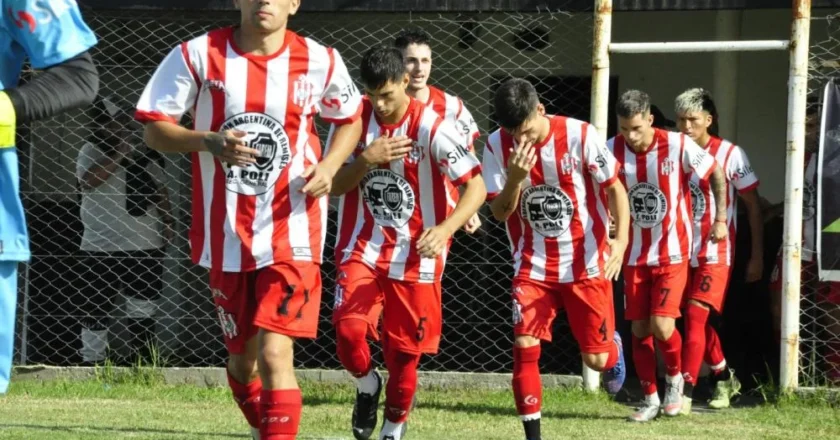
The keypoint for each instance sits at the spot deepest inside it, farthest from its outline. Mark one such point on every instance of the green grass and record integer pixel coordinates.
(138, 405)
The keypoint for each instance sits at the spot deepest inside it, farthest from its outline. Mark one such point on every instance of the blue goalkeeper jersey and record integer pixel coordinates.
(48, 32)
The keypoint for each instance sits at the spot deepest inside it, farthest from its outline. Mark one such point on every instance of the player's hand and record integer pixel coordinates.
(386, 148)
(612, 268)
(230, 148)
(719, 232)
(319, 179)
(755, 269)
(433, 241)
(523, 157)
(8, 121)
(472, 224)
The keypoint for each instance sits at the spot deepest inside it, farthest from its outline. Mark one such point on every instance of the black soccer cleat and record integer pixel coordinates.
(365, 412)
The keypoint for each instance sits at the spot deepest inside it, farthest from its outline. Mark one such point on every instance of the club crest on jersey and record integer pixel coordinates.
(303, 91)
(389, 197)
(266, 135)
(548, 209)
(648, 205)
(568, 163)
(667, 167)
(416, 155)
(698, 201)
(809, 201)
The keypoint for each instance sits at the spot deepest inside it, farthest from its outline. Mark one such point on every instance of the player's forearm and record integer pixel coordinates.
(620, 209)
(100, 171)
(73, 83)
(754, 216)
(349, 176)
(505, 202)
(475, 193)
(167, 137)
(344, 141)
(718, 184)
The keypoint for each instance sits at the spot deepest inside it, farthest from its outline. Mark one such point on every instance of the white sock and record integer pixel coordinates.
(391, 429)
(719, 367)
(94, 345)
(673, 379)
(367, 384)
(653, 399)
(529, 417)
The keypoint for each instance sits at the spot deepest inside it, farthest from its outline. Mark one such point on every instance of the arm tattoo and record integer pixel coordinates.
(718, 183)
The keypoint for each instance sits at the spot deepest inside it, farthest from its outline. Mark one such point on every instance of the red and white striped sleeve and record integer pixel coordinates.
(171, 91)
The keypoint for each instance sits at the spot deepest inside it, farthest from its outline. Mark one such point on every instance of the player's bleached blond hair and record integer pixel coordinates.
(694, 100)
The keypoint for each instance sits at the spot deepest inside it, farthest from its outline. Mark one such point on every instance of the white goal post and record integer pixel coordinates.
(795, 151)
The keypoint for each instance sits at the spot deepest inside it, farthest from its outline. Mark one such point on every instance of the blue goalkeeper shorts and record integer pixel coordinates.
(8, 303)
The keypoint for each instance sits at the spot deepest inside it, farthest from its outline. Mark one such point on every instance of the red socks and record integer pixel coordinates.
(248, 398)
(402, 384)
(714, 351)
(644, 359)
(527, 386)
(696, 319)
(352, 347)
(280, 414)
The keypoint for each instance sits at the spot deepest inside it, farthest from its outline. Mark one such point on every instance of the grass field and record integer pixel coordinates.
(144, 408)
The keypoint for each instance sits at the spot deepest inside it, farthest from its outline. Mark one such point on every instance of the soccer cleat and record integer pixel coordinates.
(686, 406)
(365, 412)
(647, 412)
(672, 405)
(614, 377)
(725, 390)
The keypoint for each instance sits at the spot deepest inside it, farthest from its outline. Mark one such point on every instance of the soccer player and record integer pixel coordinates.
(544, 176)
(395, 224)
(56, 39)
(711, 263)
(259, 173)
(415, 45)
(656, 167)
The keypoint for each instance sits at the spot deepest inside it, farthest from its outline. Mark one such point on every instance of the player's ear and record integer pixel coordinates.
(405, 80)
(541, 109)
(293, 6)
(709, 120)
(650, 118)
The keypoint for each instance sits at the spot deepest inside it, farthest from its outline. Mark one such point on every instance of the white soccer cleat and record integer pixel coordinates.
(647, 411)
(673, 403)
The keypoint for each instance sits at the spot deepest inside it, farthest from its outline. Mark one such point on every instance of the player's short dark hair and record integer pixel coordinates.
(381, 64)
(631, 103)
(515, 101)
(409, 36)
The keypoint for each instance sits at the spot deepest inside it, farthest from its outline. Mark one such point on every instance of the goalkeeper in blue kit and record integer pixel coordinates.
(55, 39)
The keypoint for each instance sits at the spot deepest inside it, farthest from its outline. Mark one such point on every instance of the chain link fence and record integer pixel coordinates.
(155, 294)
(820, 303)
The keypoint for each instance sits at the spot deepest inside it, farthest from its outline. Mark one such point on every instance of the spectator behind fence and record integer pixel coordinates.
(125, 212)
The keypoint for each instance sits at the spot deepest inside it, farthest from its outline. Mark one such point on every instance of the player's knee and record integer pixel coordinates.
(641, 329)
(243, 368)
(595, 361)
(277, 353)
(351, 331)
(662, 327)
(525, 341)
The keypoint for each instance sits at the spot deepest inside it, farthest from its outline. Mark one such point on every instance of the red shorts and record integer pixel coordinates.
(827, 291)
(412, 318)
(283, 298)
(588, 304)
(708, 285)
(654, 291)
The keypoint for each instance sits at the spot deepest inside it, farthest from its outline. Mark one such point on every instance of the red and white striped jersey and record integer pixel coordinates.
(809, 208)
(559, 232)
(661, 226)
(739, 176)
(247, 218)
(381, 220)
(451, 108)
